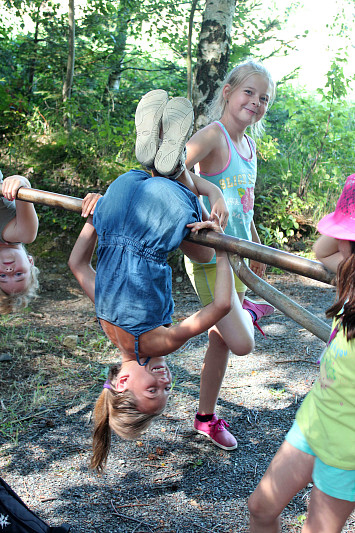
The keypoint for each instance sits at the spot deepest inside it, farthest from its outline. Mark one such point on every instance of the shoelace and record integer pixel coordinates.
(258, 327)
(219, 424)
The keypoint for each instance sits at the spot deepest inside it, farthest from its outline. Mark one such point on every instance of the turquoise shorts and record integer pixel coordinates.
(330, 480)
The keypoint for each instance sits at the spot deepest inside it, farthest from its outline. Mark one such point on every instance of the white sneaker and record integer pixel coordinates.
(148, 118)
(177, 123)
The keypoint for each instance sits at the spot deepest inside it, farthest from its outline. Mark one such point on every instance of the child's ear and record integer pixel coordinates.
(30, 258)
(121, 384)
(226, 91)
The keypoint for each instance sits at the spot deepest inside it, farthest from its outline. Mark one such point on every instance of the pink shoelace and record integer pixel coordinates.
(258, 327)
(219, 424)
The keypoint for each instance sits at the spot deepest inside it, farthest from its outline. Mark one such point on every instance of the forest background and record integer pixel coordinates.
(72, 73)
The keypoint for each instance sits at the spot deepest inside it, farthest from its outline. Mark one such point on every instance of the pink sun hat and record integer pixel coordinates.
(341, 223)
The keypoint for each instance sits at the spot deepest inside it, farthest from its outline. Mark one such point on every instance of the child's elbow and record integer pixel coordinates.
(73, 265)
(29, 236)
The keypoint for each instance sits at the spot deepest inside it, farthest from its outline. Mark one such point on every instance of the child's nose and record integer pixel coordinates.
(8, 268)
(164, 379)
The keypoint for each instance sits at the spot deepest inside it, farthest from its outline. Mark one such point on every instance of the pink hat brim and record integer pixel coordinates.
(337, 227)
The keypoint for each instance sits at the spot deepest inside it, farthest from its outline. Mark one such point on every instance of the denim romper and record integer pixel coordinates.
(139, 221)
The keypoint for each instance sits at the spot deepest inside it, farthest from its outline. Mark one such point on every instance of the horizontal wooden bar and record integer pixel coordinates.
(251, 250)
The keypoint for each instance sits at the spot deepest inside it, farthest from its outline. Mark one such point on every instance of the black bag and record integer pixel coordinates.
(16, 517)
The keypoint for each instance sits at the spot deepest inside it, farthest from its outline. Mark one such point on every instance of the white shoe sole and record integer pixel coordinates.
(177, 125)
(148, 117)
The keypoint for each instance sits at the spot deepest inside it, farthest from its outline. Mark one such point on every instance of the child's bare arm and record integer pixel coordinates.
(198, 252)
(257, 267)
(201, 186)
(327, 251)
(23, 228)
(208, 316)
(223, 294)
(81, 255)
(215, 197)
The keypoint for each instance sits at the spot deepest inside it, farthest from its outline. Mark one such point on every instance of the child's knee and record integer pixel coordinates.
(259, 511)
(216, 340)
(242, 346)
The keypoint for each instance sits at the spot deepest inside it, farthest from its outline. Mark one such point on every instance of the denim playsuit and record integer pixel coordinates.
(139, 221)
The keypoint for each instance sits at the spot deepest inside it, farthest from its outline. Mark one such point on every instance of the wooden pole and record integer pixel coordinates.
(251, 250)
(287, 306)
(238, 248)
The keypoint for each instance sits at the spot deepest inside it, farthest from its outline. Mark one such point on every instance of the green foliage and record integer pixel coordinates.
(304, 156)
(304, 159)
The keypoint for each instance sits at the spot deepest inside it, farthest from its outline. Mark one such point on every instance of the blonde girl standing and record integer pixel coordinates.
(226, 157)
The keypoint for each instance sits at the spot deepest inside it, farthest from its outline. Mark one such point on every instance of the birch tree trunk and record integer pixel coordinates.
(68, 82)
(189, 46)
(213, 55)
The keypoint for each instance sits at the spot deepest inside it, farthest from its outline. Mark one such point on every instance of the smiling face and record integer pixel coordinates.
(248, 102)
(150, 384)
(15, 268)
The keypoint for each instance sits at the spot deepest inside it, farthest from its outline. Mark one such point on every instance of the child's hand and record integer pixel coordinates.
(89, 204)
(257, 268)
(221, 210)
(212, 224)
(12, 184)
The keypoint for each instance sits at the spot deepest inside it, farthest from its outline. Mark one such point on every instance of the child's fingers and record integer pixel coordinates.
(89, 204)
(12, 184)
(9, 189)
(207, 224)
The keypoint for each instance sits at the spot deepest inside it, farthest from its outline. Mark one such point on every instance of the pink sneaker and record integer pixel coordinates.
(216, 431)
(259, 309)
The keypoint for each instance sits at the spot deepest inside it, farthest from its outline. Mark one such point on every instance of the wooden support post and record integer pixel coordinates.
(279, 300)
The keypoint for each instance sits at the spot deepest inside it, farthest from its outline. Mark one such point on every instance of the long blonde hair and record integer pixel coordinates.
(115, 411)
(235, 78)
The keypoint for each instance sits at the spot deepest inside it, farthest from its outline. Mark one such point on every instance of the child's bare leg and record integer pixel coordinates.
(213, 371)
(236, 325)
(326, 513)
(289, 471)
(237, 329)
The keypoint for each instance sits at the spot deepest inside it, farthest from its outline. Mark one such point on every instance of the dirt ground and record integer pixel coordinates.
(170, 480)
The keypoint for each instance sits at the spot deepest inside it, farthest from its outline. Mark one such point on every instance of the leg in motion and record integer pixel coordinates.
(289, 471)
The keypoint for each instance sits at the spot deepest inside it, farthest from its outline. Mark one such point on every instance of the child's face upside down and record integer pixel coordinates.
(150, 384)
(15, 268)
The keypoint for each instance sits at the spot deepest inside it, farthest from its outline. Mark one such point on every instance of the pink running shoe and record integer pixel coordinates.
(216, 431)
(259, 309)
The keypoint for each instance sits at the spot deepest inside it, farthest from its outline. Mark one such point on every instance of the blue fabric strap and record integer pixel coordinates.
(137, 354)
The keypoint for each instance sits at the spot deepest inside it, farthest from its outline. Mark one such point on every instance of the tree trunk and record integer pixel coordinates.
(32, 68)
(68, 82)
(189, 46)
(213, 55)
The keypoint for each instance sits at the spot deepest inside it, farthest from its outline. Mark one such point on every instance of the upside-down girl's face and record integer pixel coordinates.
(15, 268)
(150, 384)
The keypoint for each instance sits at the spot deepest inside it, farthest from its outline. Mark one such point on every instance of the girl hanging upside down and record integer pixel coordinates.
(139, 220)
(18, 226)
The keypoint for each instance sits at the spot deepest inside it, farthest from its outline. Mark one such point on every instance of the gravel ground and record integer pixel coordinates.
(171, 480)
